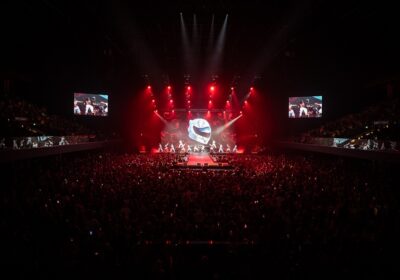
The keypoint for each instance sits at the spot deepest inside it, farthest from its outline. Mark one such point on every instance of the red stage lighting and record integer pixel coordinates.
(209, 102)
(232, 88)
(245, 102)
(251, 89)
(212, 88)
(148, 87)
(188, 101)
(153, 101)
(173, 111)
(241, 112)
(189, 88)
(169, 87)
(155, 111)
(171, 101)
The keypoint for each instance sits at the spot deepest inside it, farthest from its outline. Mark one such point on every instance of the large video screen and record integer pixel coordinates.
(89, 104)
(305, 107)
(199, 132)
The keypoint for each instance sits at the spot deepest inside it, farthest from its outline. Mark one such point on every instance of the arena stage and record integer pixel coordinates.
(202, 160)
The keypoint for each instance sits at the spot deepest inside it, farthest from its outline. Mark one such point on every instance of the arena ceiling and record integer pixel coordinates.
(290, 46)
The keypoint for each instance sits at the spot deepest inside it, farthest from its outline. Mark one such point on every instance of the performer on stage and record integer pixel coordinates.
(181, 145)
(211, 149)
(221, 149)
(160, 148)
(234, 150)
(195, 148)
(189, 149)
(172, 150)
(213, 146)
(228, 148)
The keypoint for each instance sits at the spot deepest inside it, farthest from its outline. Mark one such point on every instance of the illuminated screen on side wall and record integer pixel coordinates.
(89, 104)
(305, 107)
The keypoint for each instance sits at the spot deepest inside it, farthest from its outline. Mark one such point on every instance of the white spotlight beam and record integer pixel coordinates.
(217, 57)
(211, 35)
(228, 124)
(195, 31)
(185, 43)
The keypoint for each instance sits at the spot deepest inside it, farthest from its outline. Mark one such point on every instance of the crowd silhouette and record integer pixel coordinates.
(301, 212)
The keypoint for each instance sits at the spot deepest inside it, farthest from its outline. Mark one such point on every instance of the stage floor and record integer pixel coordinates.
(196, 159)
(202, 160)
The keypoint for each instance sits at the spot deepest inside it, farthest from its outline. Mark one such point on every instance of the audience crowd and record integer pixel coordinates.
(291, 214)
(379, 122)
(19, 118)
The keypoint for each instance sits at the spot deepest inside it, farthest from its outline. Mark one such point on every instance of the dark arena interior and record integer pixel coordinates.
(151, 140)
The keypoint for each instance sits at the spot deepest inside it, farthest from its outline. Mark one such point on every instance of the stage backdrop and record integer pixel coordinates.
(199, 127)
